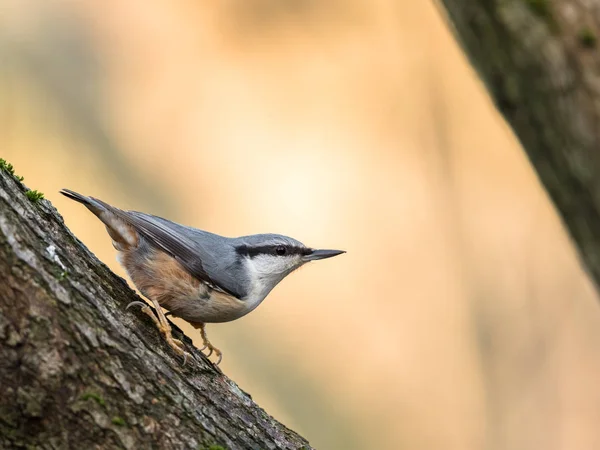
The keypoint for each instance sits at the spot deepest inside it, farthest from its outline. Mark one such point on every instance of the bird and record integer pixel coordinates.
(196, 275)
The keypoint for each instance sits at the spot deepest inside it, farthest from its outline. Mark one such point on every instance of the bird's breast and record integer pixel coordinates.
(208, 305)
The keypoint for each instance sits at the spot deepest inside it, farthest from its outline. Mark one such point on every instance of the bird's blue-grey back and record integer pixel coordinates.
(210, 257)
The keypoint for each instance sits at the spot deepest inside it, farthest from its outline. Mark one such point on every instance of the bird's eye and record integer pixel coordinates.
(280, 250)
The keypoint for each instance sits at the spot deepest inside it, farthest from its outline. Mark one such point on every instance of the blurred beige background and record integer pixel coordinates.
(460, 317)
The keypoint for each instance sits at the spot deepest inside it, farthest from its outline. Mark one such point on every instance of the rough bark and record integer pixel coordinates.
(79, 371)
(540, 62)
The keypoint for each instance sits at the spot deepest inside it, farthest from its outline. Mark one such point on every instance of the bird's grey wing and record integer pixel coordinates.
(178, 241)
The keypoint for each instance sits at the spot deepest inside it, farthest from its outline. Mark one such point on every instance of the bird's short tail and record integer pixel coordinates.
(75, 196)
(91, 203)
(123, 235)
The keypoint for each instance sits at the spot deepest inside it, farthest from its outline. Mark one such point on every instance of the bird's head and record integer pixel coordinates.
(269, 258)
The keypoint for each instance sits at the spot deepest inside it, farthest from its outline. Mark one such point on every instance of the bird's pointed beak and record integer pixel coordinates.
(322, 254)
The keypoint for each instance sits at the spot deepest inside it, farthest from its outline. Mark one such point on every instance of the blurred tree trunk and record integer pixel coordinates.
(540, 62)
(77, 371)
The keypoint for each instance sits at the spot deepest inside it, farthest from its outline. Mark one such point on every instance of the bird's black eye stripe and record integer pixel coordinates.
(278, 250)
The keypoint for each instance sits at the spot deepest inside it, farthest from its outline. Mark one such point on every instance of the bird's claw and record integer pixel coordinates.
(137, 303)
(212, 350)
(163, 325)
(207, 345)
(175, 344)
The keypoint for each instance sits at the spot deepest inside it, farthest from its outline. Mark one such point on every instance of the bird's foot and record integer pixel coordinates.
(211, 348)
(207, 345)
(164, 327)
(175, 344)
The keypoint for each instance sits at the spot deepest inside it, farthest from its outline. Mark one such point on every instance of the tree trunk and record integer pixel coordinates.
(78, 371)
(540, 62)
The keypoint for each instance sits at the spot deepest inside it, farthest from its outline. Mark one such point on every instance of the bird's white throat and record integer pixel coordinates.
(265, 272)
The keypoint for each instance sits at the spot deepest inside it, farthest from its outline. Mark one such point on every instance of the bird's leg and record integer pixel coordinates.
(163, 325)
(202, 327)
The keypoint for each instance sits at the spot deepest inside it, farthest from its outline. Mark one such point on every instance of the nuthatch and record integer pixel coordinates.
(198, 276)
